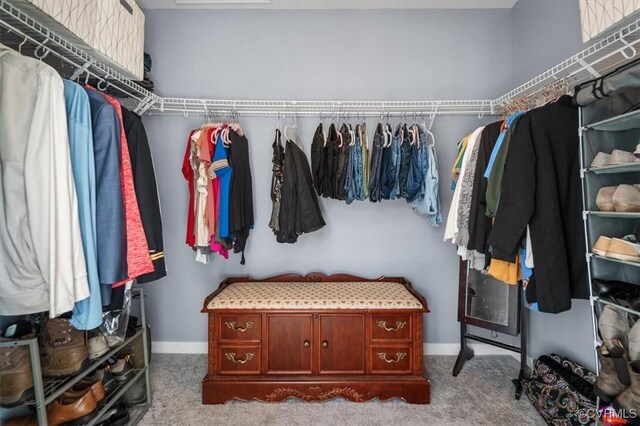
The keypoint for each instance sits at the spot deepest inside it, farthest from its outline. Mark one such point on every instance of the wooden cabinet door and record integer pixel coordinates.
(290, 340)
(340, 344)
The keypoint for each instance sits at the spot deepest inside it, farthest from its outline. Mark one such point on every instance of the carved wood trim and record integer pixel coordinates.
(314, 393)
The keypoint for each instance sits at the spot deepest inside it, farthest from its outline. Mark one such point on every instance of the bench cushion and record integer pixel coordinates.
(315, 295)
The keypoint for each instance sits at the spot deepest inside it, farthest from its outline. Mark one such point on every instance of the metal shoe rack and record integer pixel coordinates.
(618, 132)
(47, 390)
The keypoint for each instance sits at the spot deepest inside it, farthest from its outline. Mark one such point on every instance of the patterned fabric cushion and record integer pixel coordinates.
(315, 295)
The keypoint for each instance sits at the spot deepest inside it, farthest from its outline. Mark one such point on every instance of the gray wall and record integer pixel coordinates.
(546, 32)
(317, 55)
(334, 55)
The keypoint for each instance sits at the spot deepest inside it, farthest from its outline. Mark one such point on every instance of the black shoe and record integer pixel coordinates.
(117, 416)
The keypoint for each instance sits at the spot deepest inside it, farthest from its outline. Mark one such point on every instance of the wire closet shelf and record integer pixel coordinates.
(76, 59)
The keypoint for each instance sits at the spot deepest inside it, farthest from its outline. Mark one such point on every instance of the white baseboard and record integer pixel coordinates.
(479, 349)
(179, 347)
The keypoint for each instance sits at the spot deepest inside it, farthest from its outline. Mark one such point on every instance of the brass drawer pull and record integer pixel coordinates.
(399, 325)
(232, 357)
(232, 326)
(399, 356)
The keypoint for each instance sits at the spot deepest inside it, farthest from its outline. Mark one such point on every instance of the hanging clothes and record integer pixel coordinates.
(541, 188)
(110, 217)
(241, 193)
(333, 154)
(187, 172)
(479, 224)
(342, 164)
(138, 260)
(318, 160)
(390, 159)
(300, 212)
(87, 313)
(220, 178)
(276, 182)
(403, 164)
(451, 230)
(495, 168)
(375, 173)
(365, 160)
(42, 264)
(146, 189)
(465, 189)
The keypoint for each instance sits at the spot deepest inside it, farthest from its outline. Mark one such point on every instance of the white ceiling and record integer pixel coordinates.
(327, 4)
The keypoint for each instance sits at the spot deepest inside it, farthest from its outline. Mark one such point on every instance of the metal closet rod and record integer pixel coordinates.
(322, 108)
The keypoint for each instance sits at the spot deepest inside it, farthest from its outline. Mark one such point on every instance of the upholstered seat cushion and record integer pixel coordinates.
(315, 295)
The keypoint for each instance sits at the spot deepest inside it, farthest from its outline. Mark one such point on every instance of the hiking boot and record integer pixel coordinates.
(614, 374)
(63, 350)
(630, 398)
(16, 379)
(626, 198)
(614, 326)
(604, 199)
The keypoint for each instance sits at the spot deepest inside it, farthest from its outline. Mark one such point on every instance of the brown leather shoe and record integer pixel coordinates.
(16, 380)
(63, 350)
(80, 388)
(67, 411)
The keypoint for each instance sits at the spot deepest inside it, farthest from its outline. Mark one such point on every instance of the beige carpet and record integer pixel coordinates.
(481, 395)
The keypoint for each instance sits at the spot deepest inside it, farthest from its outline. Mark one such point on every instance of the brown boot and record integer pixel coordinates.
(614, 377)
(16, 380)
(63, 350)
(630, 398)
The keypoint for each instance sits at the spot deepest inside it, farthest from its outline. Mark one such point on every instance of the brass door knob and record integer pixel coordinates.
(325, 344)
(306, 344)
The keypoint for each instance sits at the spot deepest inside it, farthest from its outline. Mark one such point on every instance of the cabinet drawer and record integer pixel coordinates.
(391, 327)
(240, 328)
(390, 359)
(240, 359)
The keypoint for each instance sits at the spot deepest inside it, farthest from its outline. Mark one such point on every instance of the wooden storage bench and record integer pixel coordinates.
(315, 338)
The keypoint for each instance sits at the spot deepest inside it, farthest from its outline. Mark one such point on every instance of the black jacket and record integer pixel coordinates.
(299, 212)
(479, 223)
(541, 187)
(144, 180)
(241, 192)
(318, 160)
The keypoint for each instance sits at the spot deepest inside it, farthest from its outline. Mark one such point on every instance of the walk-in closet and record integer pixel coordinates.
(277, 212)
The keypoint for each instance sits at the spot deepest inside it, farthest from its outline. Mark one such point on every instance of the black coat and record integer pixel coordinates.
(241, 192)
(144, 181)
(479, 223)
(541, 187)
(299, 212)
